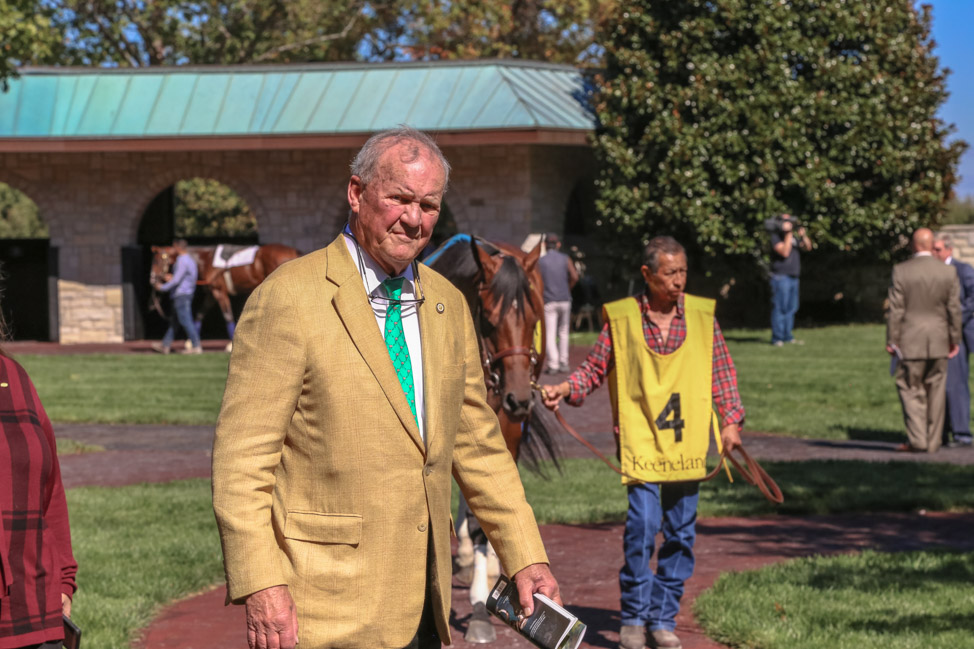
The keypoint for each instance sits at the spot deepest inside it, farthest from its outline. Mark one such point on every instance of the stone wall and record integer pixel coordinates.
(90, 314)
(93, 204)
(962, 238)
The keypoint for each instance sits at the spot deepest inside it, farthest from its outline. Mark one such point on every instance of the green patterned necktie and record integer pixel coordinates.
(396, 342)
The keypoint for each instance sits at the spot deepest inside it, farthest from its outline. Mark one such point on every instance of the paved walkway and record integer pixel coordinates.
(584, 558)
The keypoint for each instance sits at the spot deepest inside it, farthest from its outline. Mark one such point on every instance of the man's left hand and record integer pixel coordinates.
(536, 578)
(730, 437)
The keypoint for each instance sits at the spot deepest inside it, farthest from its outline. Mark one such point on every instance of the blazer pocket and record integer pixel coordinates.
(323, 528)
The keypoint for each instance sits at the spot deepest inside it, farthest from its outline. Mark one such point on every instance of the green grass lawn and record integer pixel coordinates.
(130, 388)
(865, 601)
(835, 386)
(138, 548)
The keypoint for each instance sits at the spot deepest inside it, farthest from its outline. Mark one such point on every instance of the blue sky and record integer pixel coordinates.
(952, 23)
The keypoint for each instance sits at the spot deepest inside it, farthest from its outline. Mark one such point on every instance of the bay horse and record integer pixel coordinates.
(503, 288)
(221, 283)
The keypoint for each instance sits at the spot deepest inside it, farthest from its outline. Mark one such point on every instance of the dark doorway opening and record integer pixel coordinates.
(194, 210)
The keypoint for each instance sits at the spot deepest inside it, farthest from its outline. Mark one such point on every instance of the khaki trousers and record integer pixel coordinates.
(922, 386)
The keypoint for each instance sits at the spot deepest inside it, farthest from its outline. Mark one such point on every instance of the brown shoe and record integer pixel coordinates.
(906, 448)
(159, 347)
(632, 636)
(192, 350)
(663, 639)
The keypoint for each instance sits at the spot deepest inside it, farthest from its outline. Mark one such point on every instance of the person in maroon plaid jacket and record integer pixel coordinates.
(37, 567)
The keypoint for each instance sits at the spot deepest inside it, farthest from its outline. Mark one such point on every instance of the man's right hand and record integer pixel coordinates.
(272, 621)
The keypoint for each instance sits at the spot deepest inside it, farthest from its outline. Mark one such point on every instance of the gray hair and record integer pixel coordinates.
(945, 239)
(366, 162)
(660, 245)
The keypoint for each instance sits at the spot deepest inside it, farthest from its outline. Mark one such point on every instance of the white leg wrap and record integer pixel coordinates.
(479, 587)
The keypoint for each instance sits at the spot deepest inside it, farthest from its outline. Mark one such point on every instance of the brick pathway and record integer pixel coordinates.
(585, 558)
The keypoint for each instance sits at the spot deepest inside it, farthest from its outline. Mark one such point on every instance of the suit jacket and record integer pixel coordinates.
(321, 480)
(924, 317)
(965, 273)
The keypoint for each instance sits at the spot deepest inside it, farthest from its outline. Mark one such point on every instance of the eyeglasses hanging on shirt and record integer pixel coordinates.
(383, 300)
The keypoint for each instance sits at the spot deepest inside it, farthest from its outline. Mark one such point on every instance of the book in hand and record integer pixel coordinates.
(549, 627)
(72, 634)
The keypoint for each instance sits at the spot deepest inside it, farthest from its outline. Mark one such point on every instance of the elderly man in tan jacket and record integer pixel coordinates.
(923, 330)
(355, 393)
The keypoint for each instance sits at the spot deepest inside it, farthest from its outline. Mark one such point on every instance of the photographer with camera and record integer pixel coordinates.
(787, 236)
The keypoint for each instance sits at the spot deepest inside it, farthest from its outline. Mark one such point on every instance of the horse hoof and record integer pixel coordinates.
(464, 575)
(479, 629)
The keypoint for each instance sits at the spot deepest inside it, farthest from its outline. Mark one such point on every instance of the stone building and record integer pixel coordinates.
(94, 148)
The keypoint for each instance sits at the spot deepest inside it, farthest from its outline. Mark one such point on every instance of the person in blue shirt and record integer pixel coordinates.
(181, 286)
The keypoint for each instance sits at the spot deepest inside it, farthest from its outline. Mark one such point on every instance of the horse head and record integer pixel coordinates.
(162, 261)
(510, 308)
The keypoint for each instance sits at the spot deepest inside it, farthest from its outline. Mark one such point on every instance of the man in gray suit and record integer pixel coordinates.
(958, 367)
(923, 330)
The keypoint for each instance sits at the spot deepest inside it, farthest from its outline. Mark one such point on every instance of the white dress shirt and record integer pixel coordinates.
(372, 278)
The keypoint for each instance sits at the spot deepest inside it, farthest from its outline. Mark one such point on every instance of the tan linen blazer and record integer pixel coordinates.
(321, 480)
(924, 317)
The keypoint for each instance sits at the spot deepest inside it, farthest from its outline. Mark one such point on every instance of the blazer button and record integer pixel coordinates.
(422, 527)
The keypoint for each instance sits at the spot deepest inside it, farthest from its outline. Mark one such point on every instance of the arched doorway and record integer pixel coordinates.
(205, 212)
(28, 268)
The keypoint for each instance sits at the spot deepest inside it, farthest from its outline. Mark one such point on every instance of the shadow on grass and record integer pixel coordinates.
(870, 434)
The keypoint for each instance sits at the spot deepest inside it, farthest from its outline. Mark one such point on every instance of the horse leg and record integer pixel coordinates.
(480, 630)
(223, 299)
(493, 564)
(464, 544)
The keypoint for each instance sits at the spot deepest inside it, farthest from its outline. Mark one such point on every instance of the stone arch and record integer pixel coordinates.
(160, 181)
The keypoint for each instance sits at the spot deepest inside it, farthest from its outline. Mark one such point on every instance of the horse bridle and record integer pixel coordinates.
(491, 377)
(489, 361)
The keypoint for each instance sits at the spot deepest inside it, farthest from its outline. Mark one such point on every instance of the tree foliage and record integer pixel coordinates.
(25, 36)
(717, 114)
(18, 215)
(544, 30)
(207, 208)
(137, 33)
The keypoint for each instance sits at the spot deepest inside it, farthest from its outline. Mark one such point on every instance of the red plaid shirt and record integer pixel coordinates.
(36, 562)
(592, 372)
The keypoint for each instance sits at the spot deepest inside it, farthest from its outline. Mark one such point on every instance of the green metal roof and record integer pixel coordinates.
(60, 103)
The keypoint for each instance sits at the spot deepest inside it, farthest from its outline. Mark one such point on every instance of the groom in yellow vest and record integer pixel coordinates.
(667, 364)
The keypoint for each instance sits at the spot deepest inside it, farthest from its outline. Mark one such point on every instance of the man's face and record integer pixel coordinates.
(941, 251)
(670, 278)
(395, 213)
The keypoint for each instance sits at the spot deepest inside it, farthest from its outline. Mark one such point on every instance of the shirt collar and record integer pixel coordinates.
(924, 253)
(644, 303)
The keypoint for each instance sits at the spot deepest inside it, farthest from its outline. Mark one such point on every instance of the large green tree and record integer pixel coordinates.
(717, 114)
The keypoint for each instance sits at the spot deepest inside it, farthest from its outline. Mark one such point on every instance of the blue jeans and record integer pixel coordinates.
(648, 599)
(182, 314)
(784, 306)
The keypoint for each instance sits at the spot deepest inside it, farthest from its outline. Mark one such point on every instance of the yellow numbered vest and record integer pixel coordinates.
(662, 403)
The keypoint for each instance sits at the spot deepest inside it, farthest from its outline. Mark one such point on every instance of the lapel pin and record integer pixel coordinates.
(439, 307)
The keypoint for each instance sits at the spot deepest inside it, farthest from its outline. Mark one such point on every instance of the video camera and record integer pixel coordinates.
(776, 223)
